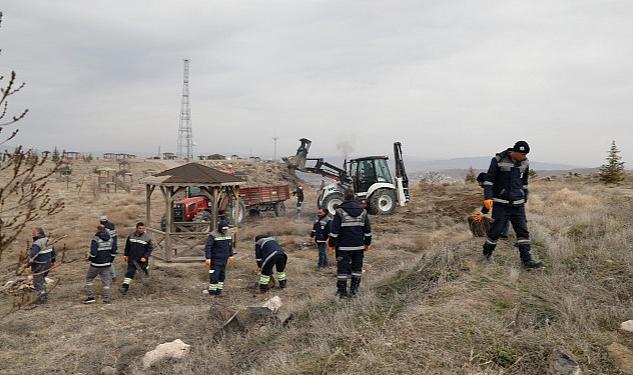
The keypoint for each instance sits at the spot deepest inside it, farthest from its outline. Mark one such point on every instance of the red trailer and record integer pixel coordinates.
(265, 198)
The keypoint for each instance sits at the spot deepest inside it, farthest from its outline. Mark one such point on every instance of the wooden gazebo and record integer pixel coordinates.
(175, 238)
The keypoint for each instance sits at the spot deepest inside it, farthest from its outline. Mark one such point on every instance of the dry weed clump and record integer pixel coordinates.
(566, 200)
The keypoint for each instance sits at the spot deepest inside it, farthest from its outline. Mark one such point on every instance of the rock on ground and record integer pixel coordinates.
(621, 356)
(108, 371)
(561, 363)
(274, 304)
(627, 326)
(175, 349)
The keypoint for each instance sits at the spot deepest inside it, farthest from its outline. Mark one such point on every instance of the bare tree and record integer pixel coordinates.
(24, 196)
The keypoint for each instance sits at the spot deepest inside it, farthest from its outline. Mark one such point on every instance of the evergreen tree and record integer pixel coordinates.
(613, 171)
(470, 177)
(55, 156)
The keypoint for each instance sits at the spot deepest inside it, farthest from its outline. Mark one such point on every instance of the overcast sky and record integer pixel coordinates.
(446, 78)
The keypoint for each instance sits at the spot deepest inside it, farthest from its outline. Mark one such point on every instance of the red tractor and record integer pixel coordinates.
(197, 207)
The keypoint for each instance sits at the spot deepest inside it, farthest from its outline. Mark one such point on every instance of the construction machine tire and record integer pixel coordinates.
(331, 202)
(280, 209)
(382, 202)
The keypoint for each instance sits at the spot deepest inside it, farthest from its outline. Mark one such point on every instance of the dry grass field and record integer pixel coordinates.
(428, 303)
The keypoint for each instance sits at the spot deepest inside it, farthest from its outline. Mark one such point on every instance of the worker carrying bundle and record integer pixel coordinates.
(506, 189)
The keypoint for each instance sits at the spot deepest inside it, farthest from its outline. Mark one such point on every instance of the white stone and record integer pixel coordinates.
(175, 349)
(627, 326)
(273, 304)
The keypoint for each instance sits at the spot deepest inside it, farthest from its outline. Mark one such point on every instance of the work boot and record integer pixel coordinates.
(89, 300)
(532, 264)
(341, 288)
(354, 286)
(526, 258)
(282, 283)
(106, 302)
(487, 255)
(124, 288)
(42, 299)
(218, 292)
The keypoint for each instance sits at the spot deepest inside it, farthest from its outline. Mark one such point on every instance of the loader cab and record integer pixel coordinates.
(368, 171)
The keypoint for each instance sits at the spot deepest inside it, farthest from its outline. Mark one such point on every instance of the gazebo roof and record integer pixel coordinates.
(193, 174)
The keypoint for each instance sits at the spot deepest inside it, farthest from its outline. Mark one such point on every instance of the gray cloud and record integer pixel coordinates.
(447, 78)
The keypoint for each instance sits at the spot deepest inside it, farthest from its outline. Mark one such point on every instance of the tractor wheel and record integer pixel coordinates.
(382, 202)
(235, 217)
(280, 209)
(163, 223)
(331, 202)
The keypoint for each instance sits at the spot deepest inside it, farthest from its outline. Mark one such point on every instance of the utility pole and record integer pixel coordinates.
(275, 138)
(185, 136)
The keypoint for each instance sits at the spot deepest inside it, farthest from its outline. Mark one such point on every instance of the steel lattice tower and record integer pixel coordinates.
(185, 136)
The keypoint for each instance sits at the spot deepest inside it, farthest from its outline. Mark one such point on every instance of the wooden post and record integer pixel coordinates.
(169, 217)
(214, 209)
(148, 203)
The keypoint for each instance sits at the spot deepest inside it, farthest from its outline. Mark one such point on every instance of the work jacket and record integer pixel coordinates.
(507, 180)
(350, 227)
(219, 247)
(265, 249)
(138, 245)
(101, 250)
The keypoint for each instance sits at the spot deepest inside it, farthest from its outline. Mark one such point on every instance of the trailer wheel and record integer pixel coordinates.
(280, 209)
(382, 202)
(331, 202)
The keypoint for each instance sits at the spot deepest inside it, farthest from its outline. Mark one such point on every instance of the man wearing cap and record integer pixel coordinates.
(506, 189)
(218, 253)
(100, 257)
(110, 228)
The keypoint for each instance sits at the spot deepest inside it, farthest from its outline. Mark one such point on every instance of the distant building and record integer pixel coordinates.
(71, 155)
(212, 157)
(124, 156)
(119, 156)
(169, 156)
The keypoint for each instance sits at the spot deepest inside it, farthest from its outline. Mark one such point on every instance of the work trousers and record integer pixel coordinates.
(40, 272)
(278, 261)
(105, 275)
(217, 273)
(132, 267)
(502, 214)
(349, 265)
(322, 246)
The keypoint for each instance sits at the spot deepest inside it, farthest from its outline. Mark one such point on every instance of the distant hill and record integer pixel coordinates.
(481, 162)
(455, 168)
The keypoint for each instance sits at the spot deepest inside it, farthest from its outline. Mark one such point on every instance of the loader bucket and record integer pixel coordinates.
(298, 161)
